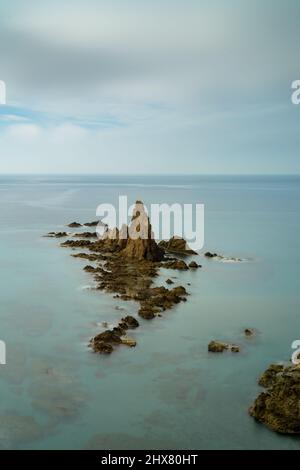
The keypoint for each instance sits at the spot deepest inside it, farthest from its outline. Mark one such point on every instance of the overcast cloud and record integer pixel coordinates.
(152, 86)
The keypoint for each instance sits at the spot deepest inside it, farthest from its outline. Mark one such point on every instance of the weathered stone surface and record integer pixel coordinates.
(141, 244)
(278, 407)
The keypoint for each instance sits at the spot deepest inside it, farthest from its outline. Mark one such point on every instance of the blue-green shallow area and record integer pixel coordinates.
(168, 392)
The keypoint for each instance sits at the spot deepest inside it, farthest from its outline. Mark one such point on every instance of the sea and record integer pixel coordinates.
(168, 392)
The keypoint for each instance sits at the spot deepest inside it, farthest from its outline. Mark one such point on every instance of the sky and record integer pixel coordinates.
(149, 86)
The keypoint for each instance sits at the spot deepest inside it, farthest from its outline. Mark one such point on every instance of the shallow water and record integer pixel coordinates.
(168, 392)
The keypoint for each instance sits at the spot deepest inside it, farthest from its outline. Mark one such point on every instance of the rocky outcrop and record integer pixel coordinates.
(219, 347)
(176, 245)
(278, 406)
(127, 260)
(141, 244)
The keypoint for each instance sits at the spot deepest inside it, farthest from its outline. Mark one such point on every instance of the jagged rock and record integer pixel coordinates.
(102, 348)
(219, 347)
(194, 265)
(130, 321)
(175, 264)
(141, 244)
(92, 269)
(269, 376)
(278, 407)
(74, 225)
(176, 245)
(108, 336)
(169, 281)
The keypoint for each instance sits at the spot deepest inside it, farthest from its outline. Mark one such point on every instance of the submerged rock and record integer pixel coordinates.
(219, 347)
(278, 407)
(176, 245)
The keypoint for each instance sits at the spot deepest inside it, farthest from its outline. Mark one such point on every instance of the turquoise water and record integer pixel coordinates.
(168, 392)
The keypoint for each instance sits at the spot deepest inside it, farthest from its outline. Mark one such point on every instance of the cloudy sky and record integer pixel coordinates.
(149, 86)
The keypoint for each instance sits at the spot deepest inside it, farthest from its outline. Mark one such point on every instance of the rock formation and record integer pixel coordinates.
(278, 406)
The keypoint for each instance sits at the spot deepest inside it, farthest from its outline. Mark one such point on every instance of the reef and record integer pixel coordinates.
(127, 261)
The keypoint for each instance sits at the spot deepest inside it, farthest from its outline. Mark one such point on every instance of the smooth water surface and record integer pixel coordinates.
(168, 392)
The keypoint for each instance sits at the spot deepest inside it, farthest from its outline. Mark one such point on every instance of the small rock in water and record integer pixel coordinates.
(249, 332)
(194, 265)
(219, 347)
(74, 225)
(208, 254)
(130, 321)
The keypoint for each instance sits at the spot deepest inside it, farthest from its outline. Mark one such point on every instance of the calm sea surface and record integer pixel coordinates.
(168, 392)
